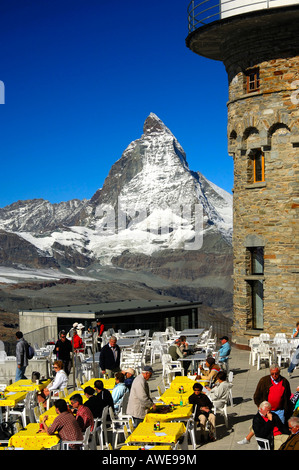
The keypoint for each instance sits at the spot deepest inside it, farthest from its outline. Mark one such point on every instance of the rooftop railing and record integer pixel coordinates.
(204, 12)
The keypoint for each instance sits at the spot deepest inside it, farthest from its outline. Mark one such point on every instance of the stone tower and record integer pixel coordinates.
(258, 42)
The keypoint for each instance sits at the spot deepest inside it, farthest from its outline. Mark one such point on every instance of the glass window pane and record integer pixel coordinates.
(258, 304)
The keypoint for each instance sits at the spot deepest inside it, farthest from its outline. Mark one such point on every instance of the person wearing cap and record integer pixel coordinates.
(129, 374)
(100, 330)
(140, 400)
(224, 350)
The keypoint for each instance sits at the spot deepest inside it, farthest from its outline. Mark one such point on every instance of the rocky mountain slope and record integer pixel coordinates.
(153, 222)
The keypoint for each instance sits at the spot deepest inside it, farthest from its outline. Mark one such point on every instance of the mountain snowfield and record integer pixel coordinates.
(150, 201)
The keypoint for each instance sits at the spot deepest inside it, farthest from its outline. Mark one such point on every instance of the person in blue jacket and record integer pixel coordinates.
(224, 350)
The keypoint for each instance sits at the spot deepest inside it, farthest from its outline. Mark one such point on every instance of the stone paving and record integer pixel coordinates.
(241, 413)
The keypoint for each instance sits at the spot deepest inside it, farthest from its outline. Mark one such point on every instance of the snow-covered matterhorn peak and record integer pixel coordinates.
(153, 124)
(154, 128)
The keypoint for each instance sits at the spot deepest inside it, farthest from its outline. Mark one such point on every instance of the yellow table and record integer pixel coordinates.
(146, 447)
(173, 396)
(169, 433)
(51, 413)
(30, 439)
(179, 412)
(12, 398)
(108, 383)
(27, 385)
(186, 382)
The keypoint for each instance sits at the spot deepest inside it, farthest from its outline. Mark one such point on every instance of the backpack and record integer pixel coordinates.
(30, 351)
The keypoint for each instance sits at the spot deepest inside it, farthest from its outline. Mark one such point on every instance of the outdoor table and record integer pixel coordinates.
(31, 439)
(126, 342)
(27, 385)
(51, 413)
(146, 447)
(169, 433)
(192, 332)
(173, 396)
(108, 383)
(183, 380)
(195, 359)
(163, 413)
(12, 398)
(134, 334)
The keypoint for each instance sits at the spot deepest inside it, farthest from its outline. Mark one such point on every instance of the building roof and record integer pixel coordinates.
(121, 307)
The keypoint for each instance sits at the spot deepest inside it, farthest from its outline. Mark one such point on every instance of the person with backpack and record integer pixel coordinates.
(22, 349)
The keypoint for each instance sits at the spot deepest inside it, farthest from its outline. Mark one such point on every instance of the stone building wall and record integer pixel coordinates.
(266, 212)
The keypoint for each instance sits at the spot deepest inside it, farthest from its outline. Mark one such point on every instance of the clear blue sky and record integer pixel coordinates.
(81, 77)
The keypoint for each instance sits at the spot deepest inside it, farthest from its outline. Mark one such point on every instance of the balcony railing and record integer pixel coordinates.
(204, 12)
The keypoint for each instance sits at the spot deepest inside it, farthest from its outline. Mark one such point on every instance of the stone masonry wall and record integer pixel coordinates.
(267, 119)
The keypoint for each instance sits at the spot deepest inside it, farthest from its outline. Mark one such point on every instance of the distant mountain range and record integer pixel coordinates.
(154, 221)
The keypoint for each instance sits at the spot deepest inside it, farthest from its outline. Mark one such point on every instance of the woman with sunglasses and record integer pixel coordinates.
(59, 383)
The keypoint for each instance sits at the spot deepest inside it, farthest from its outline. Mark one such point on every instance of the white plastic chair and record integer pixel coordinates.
(230, 379)
(263, 444)
(264, 354)
(220, 407)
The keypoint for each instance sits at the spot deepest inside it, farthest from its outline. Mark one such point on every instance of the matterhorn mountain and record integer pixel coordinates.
(153, 217)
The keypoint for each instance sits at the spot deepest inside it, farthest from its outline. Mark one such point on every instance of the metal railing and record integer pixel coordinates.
(204, 12)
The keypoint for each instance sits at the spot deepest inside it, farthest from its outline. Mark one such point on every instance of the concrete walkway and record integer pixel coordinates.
(241, 413)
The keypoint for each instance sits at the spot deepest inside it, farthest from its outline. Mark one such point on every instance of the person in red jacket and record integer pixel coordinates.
(275, 389)
(77, 342)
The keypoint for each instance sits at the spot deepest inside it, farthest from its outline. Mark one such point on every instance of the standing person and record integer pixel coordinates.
(295, 357)
(203, 410)
(77, 342)
(84, 415)
(21, 356)
(296, 331)
(65, 424)
(292, 442)
(224, 350)
(140, 400)
(276, 390)
(63, 349)
(100, 330)
(110, 357)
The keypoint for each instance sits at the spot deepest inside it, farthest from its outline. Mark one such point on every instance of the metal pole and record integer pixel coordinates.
(73, 358)
(93, 327)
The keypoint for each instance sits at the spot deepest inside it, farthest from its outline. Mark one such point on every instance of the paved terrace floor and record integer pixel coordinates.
(241, 413)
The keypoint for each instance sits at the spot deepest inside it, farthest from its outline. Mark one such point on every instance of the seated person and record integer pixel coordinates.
(211, 373)
(119, 390)
(84, 415)
(65, 424)
(129, 374)
(103, 398)
(59, 383)
(203, 410)
(220, 392)
(91, 401)
(269, 426)
(176, 351)
(224, 350)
